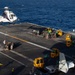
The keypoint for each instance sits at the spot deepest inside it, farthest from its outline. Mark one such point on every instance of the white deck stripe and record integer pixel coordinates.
(4, 34)
(12, 58)
(21, 55)
(38, 45)
(25, 41)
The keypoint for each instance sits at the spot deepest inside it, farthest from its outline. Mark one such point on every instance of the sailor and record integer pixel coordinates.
(11, 46)
(49, 30)
(4, 42)
(13, 71)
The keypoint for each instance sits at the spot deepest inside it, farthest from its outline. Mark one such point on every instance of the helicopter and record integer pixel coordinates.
(8, 16)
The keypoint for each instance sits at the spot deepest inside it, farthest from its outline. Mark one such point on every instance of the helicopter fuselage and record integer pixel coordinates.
(8, 16)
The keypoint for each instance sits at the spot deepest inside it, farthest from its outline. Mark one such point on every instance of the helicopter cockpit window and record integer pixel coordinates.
(11, 16)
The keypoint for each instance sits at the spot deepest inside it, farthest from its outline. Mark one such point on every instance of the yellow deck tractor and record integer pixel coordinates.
(57, 65)
(68, 40)
(39, 62)
(59, 32)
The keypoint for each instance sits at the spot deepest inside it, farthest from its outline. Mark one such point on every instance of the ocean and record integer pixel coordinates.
(58, 14)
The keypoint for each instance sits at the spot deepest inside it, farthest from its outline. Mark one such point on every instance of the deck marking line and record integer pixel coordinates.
(4, 34)
(25, 41)
(21, 55)
(30, 43)
(17, 38)
(12, 58)
(38, 45)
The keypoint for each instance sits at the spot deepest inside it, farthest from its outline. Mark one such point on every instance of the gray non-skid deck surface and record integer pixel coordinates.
(21, 57)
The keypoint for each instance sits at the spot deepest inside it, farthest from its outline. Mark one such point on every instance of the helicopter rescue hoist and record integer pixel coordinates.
(59, 32)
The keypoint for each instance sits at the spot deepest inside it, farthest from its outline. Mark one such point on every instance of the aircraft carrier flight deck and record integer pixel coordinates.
(27, 47)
